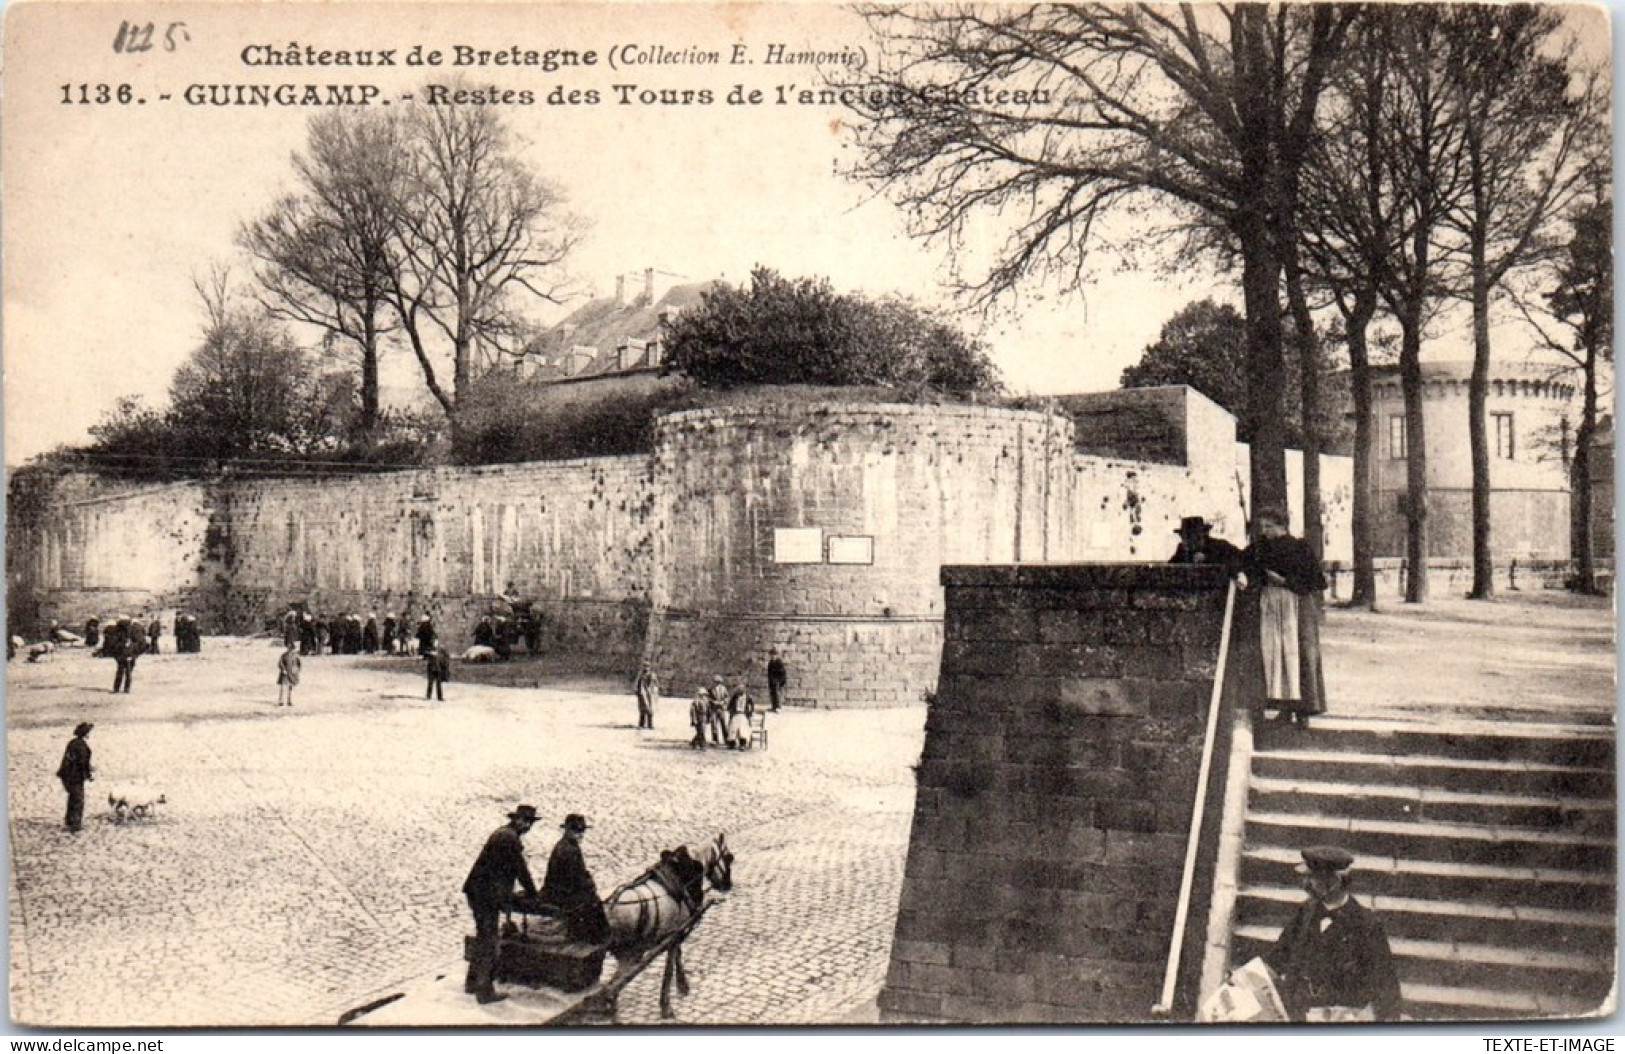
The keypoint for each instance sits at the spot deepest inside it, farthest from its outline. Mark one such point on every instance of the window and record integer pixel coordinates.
(1396, 437)
(1503, 436)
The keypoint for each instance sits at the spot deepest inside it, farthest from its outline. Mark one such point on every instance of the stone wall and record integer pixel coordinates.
(573, 535)
(1055, 793)
(816, 528)
(94, 547)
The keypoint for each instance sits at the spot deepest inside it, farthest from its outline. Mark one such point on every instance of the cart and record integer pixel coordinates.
(438, 999)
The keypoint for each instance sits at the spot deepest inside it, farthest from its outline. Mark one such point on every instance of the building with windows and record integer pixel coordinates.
(1530, 434)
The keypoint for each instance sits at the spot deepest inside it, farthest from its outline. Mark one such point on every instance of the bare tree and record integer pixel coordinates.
(474, 225)
(1204, 110)
(1423, 146)
(1357, 225)
(1575, 318)
(1523, 138)
(324, 254)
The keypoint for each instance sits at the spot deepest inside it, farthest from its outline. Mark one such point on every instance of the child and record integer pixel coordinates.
(287, 675)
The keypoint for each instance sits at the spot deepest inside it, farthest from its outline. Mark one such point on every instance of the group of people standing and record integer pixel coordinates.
(720, 715)
(1289, 581)
(316, 634)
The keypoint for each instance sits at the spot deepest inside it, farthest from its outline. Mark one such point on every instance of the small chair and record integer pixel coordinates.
(758, 729)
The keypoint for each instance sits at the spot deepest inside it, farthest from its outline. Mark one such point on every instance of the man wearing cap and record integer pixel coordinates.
(1333, 957)
(488, 888)
(1198, 546)
(74, 772)
(569, 888)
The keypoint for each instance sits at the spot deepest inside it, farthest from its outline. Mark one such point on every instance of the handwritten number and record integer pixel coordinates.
(133, 38)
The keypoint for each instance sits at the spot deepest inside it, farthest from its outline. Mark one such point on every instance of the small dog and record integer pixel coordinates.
(39, 651)
(134, 803)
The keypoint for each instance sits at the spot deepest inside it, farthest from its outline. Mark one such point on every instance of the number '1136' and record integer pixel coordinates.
(96, 94)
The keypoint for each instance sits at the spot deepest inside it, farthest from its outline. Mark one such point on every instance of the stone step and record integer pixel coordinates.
(1445, 880)
(1584, 980)
(1381, 801)
(1427, 1002)
(1460, 774)
(1586, 746)
(1584, 933)
(1432, 840)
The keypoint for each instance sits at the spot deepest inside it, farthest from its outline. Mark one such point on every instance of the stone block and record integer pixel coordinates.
(1095, 695)
(1138, 849)
(1149, 661)
(1178, 700)
(981, 958)
(1017, 624)
(1068, 626)
(1126, 816)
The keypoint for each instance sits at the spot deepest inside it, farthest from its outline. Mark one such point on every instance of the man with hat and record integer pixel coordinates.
(1198, 546)
(568, 887)
(488, 888)
(74, 772)
(1333, 957)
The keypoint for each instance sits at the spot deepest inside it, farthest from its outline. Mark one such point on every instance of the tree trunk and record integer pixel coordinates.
(1358, 320)
(1261, 283)
(1308, 348)
(369, 369)
(1416, 479)
(1477, 394)
(1584, 554)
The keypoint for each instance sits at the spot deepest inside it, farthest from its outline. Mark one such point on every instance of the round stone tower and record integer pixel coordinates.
(1529, 461)
(820, 530)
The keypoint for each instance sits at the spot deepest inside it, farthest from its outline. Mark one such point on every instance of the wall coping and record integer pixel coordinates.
(680, 418)
(1182, 577)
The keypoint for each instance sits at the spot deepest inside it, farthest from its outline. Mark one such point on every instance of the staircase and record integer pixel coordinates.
(1487, 849)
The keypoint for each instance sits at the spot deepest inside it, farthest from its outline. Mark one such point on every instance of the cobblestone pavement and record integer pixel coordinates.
(311, 859)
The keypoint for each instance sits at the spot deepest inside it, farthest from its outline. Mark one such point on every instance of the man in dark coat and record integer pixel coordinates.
(438, 666)
(131, 641)
(1333, 957)
(74, 771)
(369, 634)
(425, 635)
(488, 888)
(777, 678)
(93, 633)
(569, 888)
(155, 630)
(1198, 546)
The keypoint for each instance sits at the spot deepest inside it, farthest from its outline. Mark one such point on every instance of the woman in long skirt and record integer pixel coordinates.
(1290, 582)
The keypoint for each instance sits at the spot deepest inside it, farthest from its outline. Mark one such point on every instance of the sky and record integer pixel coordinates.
(111, 209)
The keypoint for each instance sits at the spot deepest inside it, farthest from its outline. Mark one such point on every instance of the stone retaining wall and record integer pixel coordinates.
(1055, 793)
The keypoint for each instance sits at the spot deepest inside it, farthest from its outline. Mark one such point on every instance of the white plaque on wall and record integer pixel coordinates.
(798, 545)
(851, 549)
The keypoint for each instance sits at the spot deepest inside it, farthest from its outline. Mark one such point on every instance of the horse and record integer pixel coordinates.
(661, 903)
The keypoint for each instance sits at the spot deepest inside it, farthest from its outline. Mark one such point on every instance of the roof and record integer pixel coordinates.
(603, 326)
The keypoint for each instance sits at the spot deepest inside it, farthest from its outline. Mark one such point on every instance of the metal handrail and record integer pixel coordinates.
(1170, 976)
